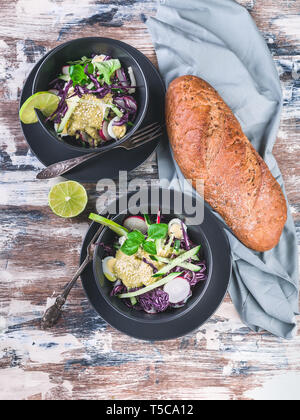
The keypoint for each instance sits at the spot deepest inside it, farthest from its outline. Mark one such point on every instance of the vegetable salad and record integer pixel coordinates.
(96, 100)
(153, 265)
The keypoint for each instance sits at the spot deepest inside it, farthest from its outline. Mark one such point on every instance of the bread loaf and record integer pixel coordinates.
(209, 144)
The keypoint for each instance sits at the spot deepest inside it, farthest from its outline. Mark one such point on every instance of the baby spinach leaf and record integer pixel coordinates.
(130, 247)
(133, 242)
(150, 247)
(77, 74)
(90, 68)
(158, 231)
(136, 236)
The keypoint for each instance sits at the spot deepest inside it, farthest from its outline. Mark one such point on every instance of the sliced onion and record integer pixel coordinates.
(132, 80)
(123, 120)
(178, 289)
(122, 77)
(130, 103)
(120, 102)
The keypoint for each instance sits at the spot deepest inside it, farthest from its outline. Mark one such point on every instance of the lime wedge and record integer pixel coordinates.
(68, 199)
(46, 102)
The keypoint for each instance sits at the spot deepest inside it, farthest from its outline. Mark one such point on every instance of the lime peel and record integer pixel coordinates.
(46, 102)
(68, 199)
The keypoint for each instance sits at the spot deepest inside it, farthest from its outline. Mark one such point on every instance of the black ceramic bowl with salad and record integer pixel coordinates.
(159, 276)
(103, 93)
(151, 263)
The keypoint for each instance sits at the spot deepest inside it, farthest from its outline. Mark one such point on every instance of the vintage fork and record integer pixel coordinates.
(143, 136)
(53, 313)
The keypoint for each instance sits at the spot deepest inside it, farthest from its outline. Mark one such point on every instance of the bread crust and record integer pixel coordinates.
(209, 145)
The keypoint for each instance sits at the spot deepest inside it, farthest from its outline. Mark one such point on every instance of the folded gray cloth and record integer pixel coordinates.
(218, 41)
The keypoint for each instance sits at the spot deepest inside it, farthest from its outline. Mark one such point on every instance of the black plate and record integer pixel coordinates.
(169, 327)
(48, 151)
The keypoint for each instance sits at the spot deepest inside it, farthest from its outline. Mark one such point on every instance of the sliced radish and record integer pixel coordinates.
(85, 137)
(180, 304)
(103, 133)
(178, 290)
(65, 70)
(136, 223)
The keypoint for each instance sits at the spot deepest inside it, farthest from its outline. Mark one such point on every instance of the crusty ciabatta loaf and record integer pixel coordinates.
(209, 144)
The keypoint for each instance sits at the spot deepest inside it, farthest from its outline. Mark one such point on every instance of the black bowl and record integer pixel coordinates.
(74, 50)
(172, 323)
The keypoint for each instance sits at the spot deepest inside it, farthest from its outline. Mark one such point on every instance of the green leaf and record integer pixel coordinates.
(84, 60)
(147, 219)
(91, 68)
(158, 231)
(150, 247)
(130, 247)
(107, 69)
(136, 236)
(77, 74)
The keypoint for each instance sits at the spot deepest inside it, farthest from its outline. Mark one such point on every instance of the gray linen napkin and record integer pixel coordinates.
(218, 41)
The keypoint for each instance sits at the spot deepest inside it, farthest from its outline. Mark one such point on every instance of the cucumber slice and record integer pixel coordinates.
(118, 229)
(72, 105)
(191, 267)
(169, 260)
(133, 301)
(178, 261)
(116, 110)
(153, 286)
(162, 259)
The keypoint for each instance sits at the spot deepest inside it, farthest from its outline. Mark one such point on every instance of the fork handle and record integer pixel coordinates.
(60, 168)
(53, 313)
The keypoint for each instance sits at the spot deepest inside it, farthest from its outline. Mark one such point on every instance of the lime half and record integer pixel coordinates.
(46, 102)
(68, 199)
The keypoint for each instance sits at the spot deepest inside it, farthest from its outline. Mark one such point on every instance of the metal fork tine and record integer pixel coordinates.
(145, 129)
(141, 137)
(141, 143)
(146, 139)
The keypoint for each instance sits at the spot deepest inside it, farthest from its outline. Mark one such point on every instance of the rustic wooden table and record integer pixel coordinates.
(83, 357)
